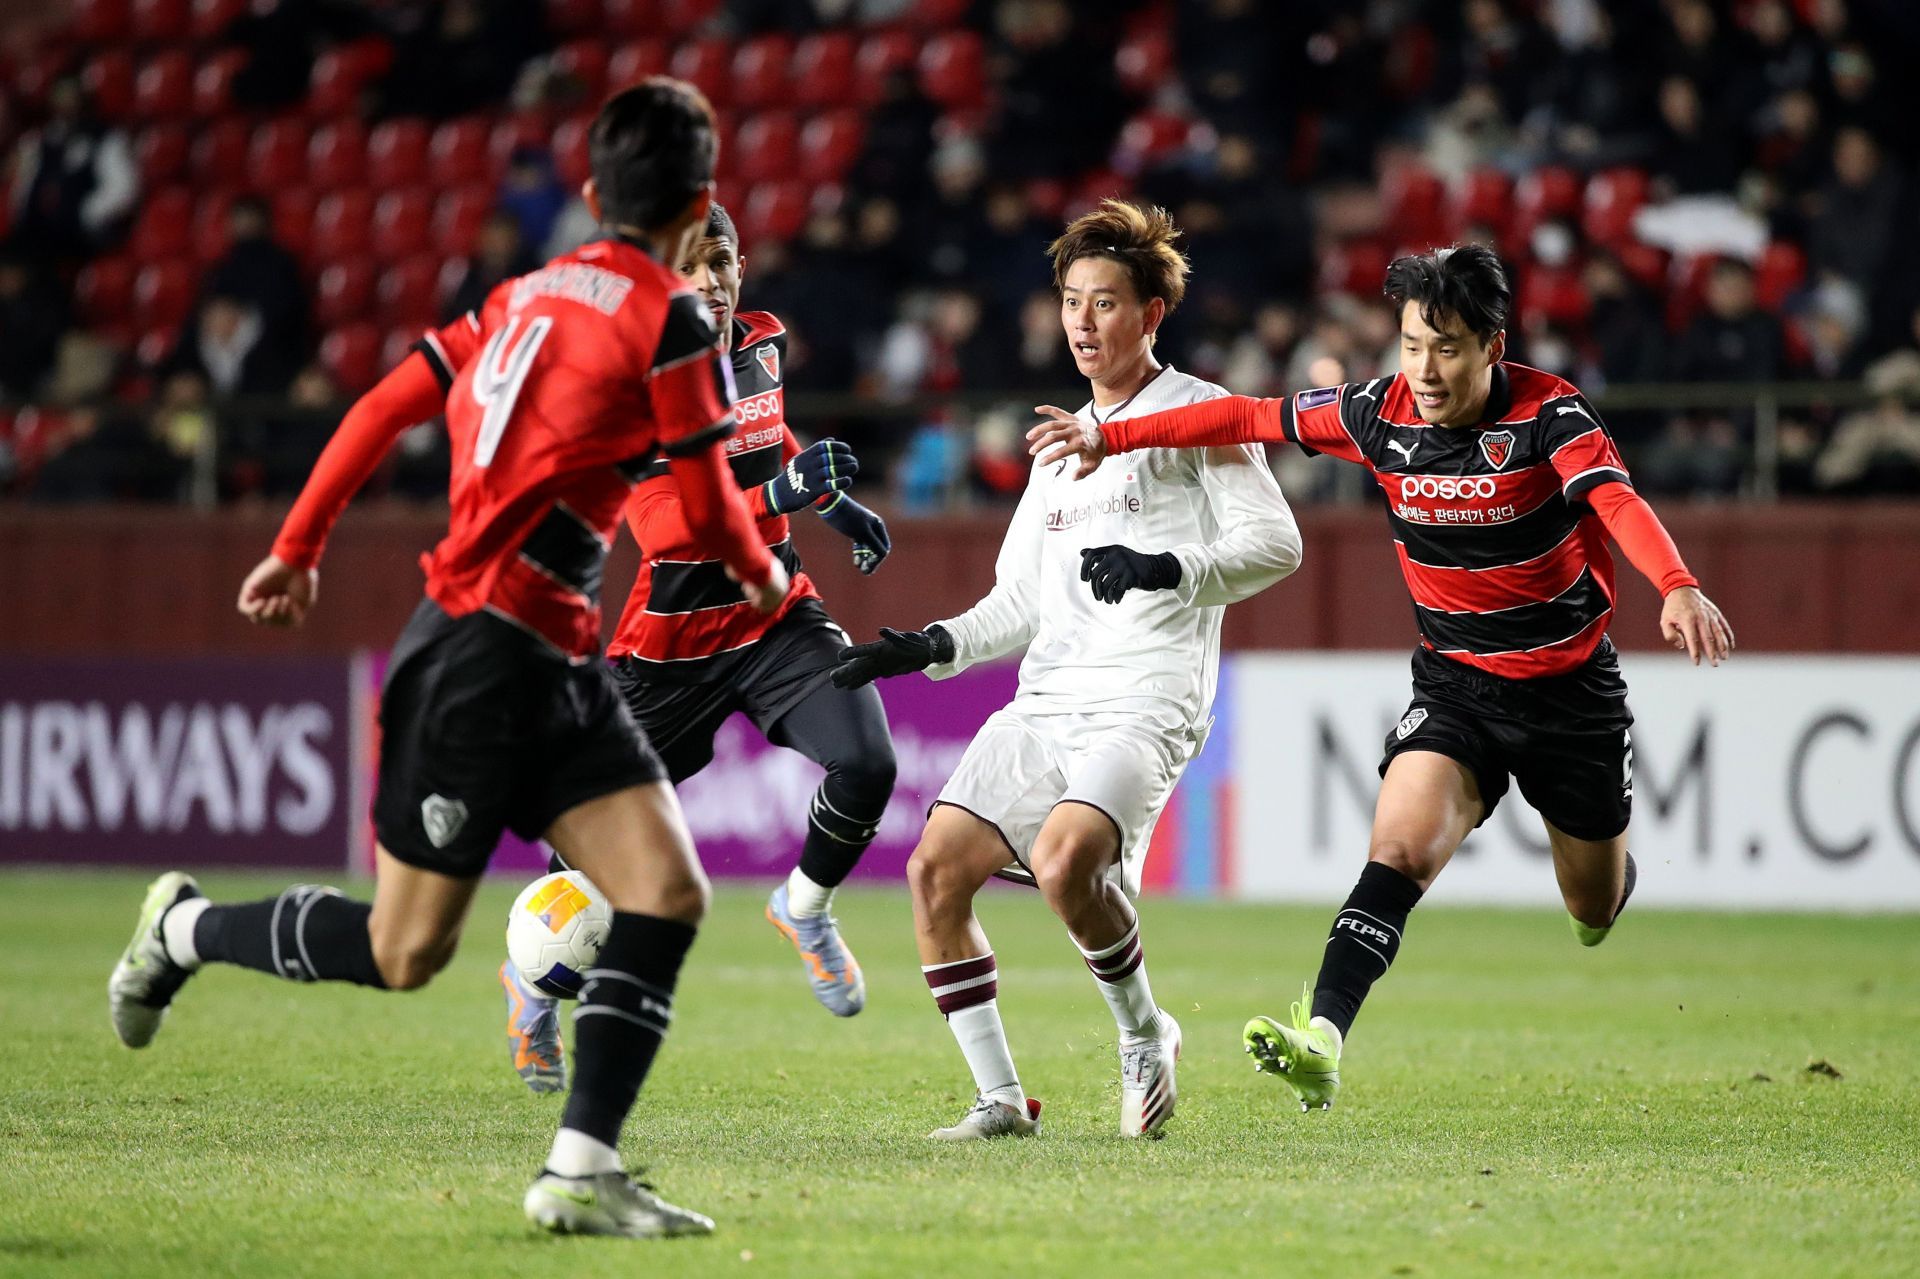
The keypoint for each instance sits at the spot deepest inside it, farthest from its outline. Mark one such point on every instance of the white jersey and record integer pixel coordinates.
(1156, 653)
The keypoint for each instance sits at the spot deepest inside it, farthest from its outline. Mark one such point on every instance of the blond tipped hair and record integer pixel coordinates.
(1139, 237)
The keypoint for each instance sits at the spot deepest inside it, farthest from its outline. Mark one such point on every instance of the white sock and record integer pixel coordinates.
(577, 1155)
(1121, 970)
(1334, 1036)
(176, 931)
(983, 1042)
(804, 897)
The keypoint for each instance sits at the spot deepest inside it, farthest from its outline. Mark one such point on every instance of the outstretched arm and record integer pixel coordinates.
(1688, 619)
(1222, 422)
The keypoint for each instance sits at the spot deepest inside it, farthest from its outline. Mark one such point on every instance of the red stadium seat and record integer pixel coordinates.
(570, 158)
(293, 219)
(584, 62)
(213, 82)
(681, 17)
(1153, 136)
(1486, 199)
(409, 291)
(1416, 206)
(573, 17)
(337, 155)
(628, 19)
(707, 65)
(162, 153)
(164, 88)
(1557, 295)
(340, 74)
(162, 294)
(776, 211)
(397, 154)
(1048, 198)
(351, 353)
(211, 18)
(1144, 63)
(821, 73)
(938, 15)
(634, 62)
(765, 150)
(1782, 269)
(457, 216)
(953, 69)
(344, 292)
(164, 228)
(1546, 194)
(277, 156)
(458, 153)
(99, 21)
(760, 72)
(160, 21)
(212, 211)
(1613, 197)
(103, 291)
(1646, 263)
(109, 80)
(1688, 288)
(830, 145)
(220, 153)
(530, 129)
(882, 56)
(1355, 268)
(342, 226)
(402, 223)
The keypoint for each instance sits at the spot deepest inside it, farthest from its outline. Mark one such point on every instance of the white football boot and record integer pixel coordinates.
(146, 979)
(608, 1203)
(991, 1118)
(1147, 1090)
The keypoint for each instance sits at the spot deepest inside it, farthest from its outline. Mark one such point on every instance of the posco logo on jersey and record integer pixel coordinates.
(764, 405)
(1447, 487)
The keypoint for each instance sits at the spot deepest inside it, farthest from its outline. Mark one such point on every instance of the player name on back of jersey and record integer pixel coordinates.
(581, 282)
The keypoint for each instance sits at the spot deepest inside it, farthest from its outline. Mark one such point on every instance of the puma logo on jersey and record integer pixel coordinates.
(1564, 409)
(1404, 450)
(1368, 392)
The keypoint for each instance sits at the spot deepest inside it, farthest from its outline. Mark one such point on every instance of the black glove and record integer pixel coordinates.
(1115, 570)
(867, 531)
(809, 475)
(894, 653)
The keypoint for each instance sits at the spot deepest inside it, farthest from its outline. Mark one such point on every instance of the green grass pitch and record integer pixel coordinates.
(1514, 1105)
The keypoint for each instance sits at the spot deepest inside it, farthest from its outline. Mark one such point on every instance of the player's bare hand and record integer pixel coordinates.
(278, 594)
(1694, 624)
(766, 597)
(1062, 435)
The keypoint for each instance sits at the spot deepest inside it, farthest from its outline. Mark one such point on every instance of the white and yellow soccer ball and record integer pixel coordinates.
(555, 930)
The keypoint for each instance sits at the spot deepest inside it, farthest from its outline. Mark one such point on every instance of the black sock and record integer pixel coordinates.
(1364, 940)
(308, 933)
(625, 1008)
(841, 822)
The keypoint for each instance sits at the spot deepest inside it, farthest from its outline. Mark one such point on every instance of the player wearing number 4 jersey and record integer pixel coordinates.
(496, 713)
(1115, 589)
(689, 652)
(1501, 485)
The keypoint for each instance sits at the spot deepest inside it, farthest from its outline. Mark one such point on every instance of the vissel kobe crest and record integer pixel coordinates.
(769, 357)
(1497, 447)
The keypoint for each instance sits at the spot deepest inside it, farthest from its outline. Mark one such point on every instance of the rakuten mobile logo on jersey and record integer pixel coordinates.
(1062, 518)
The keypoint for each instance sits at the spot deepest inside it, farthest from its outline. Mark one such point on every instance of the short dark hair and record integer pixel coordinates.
(720, 226)
(1465, 281)
(1139, 237)
(651, 148)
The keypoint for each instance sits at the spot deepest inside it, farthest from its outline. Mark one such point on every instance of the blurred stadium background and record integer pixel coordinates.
(222, 220)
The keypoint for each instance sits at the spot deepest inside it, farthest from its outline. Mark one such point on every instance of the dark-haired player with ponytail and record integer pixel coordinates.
(1502, 485)
(567, 386)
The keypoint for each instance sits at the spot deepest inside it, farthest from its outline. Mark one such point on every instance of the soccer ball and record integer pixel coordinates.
(555, 929)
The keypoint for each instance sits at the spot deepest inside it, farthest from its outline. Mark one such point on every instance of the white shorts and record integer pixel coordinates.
(1020, 765)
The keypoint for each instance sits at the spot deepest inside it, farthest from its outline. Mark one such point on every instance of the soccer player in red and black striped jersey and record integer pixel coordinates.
(496, 713)
(689, 652)
(1502, 486)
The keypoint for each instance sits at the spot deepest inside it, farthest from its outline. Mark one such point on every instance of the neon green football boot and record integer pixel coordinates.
(1305, 1054)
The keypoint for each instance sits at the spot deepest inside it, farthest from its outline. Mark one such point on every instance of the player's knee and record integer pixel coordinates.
(1418, 860)
(869, 773)
(684, 896)
(939, 876)
(1068, 868)
(408, 963)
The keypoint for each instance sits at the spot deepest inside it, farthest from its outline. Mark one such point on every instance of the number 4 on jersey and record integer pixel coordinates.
(497, 378)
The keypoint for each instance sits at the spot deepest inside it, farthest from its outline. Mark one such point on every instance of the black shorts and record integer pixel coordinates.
(1564, 738)
(680, 714)
(483, 728)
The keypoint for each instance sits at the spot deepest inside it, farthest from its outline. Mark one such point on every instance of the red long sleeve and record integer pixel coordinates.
(405, 397)
(1639, 533)
(717, 514)
(1229, 420)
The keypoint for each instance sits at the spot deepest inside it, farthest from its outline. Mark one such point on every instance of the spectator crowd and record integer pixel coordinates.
(1686, 191)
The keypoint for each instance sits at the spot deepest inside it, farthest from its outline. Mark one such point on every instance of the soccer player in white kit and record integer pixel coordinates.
(1115, 585)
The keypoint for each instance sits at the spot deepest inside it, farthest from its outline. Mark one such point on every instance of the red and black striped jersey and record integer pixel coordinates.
(684, 609)
(1508, 567)
(566, 387)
